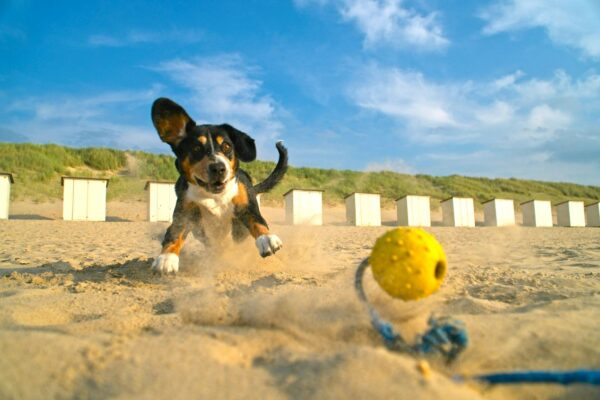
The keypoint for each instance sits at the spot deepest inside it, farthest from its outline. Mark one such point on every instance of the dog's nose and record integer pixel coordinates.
(217, 169)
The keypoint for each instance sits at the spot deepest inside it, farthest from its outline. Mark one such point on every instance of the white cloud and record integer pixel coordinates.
(61, 107)
(389, 23)
(215, 90)
(221, 89)
(510, 106)
(507, 80)
(574, 23)
(543, 116)
(406, 95)
(80, 120)
(396, 165)
(501, 122)
(136, 37)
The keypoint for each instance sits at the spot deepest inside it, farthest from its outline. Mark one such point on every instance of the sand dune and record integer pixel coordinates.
(82, 316)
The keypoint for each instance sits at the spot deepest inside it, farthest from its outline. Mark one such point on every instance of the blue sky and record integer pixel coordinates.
(497, 88)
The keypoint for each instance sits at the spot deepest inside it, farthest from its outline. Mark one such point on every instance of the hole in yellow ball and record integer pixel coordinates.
(440, 270)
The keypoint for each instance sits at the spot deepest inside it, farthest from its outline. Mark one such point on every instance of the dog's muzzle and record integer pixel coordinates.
(218, 176)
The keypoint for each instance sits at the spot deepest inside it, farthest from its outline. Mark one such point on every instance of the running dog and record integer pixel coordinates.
(215, 198)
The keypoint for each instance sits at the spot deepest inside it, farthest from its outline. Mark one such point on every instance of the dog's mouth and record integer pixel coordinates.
(214, 186)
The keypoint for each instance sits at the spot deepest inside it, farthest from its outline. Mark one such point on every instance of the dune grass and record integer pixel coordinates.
(38, 168)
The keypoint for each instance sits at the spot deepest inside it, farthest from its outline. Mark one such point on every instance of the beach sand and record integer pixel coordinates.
(82, 315)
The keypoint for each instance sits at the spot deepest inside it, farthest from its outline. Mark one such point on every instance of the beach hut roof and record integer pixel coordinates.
(406, 195)
(353, 193)
(82, 178)
(494, 198)
(302, 190)
(10, 176)
(568, 201)
(157, 181)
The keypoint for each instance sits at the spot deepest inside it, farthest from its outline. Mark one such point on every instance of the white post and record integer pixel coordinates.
(304, 207)
(5, 182)
(570, 214)
(499, 212)
(413, 211)
(363, 209)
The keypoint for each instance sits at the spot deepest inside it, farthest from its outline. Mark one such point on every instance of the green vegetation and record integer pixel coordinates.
(38, 168)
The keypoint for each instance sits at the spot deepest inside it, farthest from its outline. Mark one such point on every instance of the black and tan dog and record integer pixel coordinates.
(215, 198)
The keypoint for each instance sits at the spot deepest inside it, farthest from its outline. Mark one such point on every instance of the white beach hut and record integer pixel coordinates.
(6, 180)
(363, 209)
(161, 200)
(570, 213)
(84, 199)
(304, 207)
(592, 214)
(499, 212)
(458, 211)
(537, 213)
(413, 211)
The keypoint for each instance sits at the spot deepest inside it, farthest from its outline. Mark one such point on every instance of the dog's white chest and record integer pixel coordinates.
(216, 210)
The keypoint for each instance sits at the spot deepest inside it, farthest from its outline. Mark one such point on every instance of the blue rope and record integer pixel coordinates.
(446, 336)
(591, 377)
(449, 337)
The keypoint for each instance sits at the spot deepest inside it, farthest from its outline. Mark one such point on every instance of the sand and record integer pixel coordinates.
(82, 316)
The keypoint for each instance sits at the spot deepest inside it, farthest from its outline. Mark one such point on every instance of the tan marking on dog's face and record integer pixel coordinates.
(202, 139)
(219, 139)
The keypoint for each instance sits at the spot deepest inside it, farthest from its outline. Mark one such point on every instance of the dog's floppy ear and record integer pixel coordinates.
(170, 120)
(244, 146)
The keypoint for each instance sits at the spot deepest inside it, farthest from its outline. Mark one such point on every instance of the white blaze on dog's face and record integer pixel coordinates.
(212, 162)
(208, 156)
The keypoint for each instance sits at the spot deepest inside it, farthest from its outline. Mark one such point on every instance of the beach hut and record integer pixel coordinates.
(161, 200)
(458, 211)
(413, 211)
(304, 207)
(570, 213)
(84, 199)
(592, 214)
(499, 212)
(537, 213)
(6, 180)
(363, 209)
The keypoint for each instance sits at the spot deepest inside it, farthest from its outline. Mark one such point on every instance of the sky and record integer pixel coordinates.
(494, 88)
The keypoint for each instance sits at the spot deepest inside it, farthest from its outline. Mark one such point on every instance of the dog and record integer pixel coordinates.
(216, 200)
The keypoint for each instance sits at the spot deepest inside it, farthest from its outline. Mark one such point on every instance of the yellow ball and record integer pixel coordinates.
(408, 263)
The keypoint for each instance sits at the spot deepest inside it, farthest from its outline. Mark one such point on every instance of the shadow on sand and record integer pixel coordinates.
(30, 217)
(128, 273)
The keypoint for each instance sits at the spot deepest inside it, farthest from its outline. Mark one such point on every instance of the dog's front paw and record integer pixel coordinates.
(268, 244)
(166, 263)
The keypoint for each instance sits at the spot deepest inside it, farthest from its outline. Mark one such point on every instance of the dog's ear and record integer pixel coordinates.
(170, 120)
(244, 146)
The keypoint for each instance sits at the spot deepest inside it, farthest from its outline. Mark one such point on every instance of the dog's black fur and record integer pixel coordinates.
(215, 198)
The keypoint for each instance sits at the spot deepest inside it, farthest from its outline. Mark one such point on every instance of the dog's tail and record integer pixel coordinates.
(277, 174)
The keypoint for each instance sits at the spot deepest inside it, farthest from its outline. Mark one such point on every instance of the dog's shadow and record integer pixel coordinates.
(61, 273)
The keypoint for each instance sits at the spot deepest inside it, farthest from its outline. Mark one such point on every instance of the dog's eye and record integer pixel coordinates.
(198, 150)
(226, 147)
